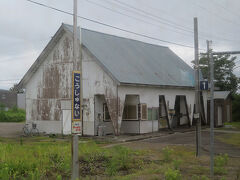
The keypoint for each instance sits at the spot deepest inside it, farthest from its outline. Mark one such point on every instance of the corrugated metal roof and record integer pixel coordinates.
(131, 61)
(221, 94)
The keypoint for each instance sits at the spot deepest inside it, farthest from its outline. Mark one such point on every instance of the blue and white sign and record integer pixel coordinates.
(76, 102)
(203, 85)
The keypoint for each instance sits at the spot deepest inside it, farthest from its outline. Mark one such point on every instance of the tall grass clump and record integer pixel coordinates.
(167, 154)
(38, 161)
(219, 164)
(12, 115)
(172, 174)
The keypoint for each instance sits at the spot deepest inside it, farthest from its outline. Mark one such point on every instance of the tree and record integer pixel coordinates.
(226, 80)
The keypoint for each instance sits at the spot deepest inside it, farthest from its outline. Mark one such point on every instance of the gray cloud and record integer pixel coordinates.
(26, 28)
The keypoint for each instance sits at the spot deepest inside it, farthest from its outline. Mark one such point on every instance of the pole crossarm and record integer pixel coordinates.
(222, 53)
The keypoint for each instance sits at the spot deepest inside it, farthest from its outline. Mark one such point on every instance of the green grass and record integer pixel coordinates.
(50, 158)
(233, 138)
(233, 124)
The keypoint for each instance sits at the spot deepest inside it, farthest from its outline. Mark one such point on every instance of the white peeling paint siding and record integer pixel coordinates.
(49, 85)
(95, 82)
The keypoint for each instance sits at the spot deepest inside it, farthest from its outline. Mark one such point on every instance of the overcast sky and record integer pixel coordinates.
(26, 28)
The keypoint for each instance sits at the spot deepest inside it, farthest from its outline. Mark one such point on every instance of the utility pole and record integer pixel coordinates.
(197, 99)
(208, 59)
(210, 54)
(75, 124)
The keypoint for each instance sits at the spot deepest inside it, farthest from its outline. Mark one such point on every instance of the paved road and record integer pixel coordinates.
(189, 139)
(11, 129)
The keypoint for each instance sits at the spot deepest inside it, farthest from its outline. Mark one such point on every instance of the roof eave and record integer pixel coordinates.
(156, 85)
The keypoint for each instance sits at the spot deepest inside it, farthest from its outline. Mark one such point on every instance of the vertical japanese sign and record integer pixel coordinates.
(76, 103)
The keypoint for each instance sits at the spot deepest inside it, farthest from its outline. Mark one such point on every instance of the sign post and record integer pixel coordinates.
(76, 97)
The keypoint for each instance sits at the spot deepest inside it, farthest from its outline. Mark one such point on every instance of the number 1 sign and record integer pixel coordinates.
(204, 85)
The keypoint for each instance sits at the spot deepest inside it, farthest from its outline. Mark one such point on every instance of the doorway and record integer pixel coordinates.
(219, 116)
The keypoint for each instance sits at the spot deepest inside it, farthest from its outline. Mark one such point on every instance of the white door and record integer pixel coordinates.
(66, 121)
(219, 115)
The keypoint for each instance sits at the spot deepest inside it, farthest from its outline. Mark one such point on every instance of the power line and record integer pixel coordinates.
(114, 27)
(9, 79)
(163, 20)
(217, 15)
(147, 22)
(184, 28)
(221, 6)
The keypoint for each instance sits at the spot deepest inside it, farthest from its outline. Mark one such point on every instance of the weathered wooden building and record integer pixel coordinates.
(128, 86)
(222, 108)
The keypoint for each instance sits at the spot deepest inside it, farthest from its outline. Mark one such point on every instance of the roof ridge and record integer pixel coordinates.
(116, 36)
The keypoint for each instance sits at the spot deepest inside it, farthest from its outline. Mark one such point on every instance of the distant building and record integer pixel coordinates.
(222, 108)
(8, 98)
(21, 100)
(128, 86)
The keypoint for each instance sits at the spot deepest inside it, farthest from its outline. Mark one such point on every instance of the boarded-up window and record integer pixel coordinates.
(106, 116)
(130, 112)
(144, 111)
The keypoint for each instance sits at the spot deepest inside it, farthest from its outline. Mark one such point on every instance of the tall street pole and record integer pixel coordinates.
(75, 162)
(211, 114)
(208, 60)
(197, 99)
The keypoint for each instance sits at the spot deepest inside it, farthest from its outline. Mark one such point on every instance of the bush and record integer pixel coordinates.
(177, 163)
(121, 160)
(219, 163)
(172, 174)
(12, 115)
(2, 107)
(167, 153)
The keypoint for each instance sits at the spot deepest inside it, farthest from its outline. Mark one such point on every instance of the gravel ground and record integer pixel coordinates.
(11, 129)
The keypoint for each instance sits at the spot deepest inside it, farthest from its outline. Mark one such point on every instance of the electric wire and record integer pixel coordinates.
(114, 27)
(147, 22)
(204, 36)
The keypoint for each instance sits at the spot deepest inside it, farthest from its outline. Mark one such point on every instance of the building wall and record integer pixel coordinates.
(48, 86)
(97, 82)
(150, 96)
(49, 90)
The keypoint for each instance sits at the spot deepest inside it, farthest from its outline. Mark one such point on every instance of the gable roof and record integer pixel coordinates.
(133, 62)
